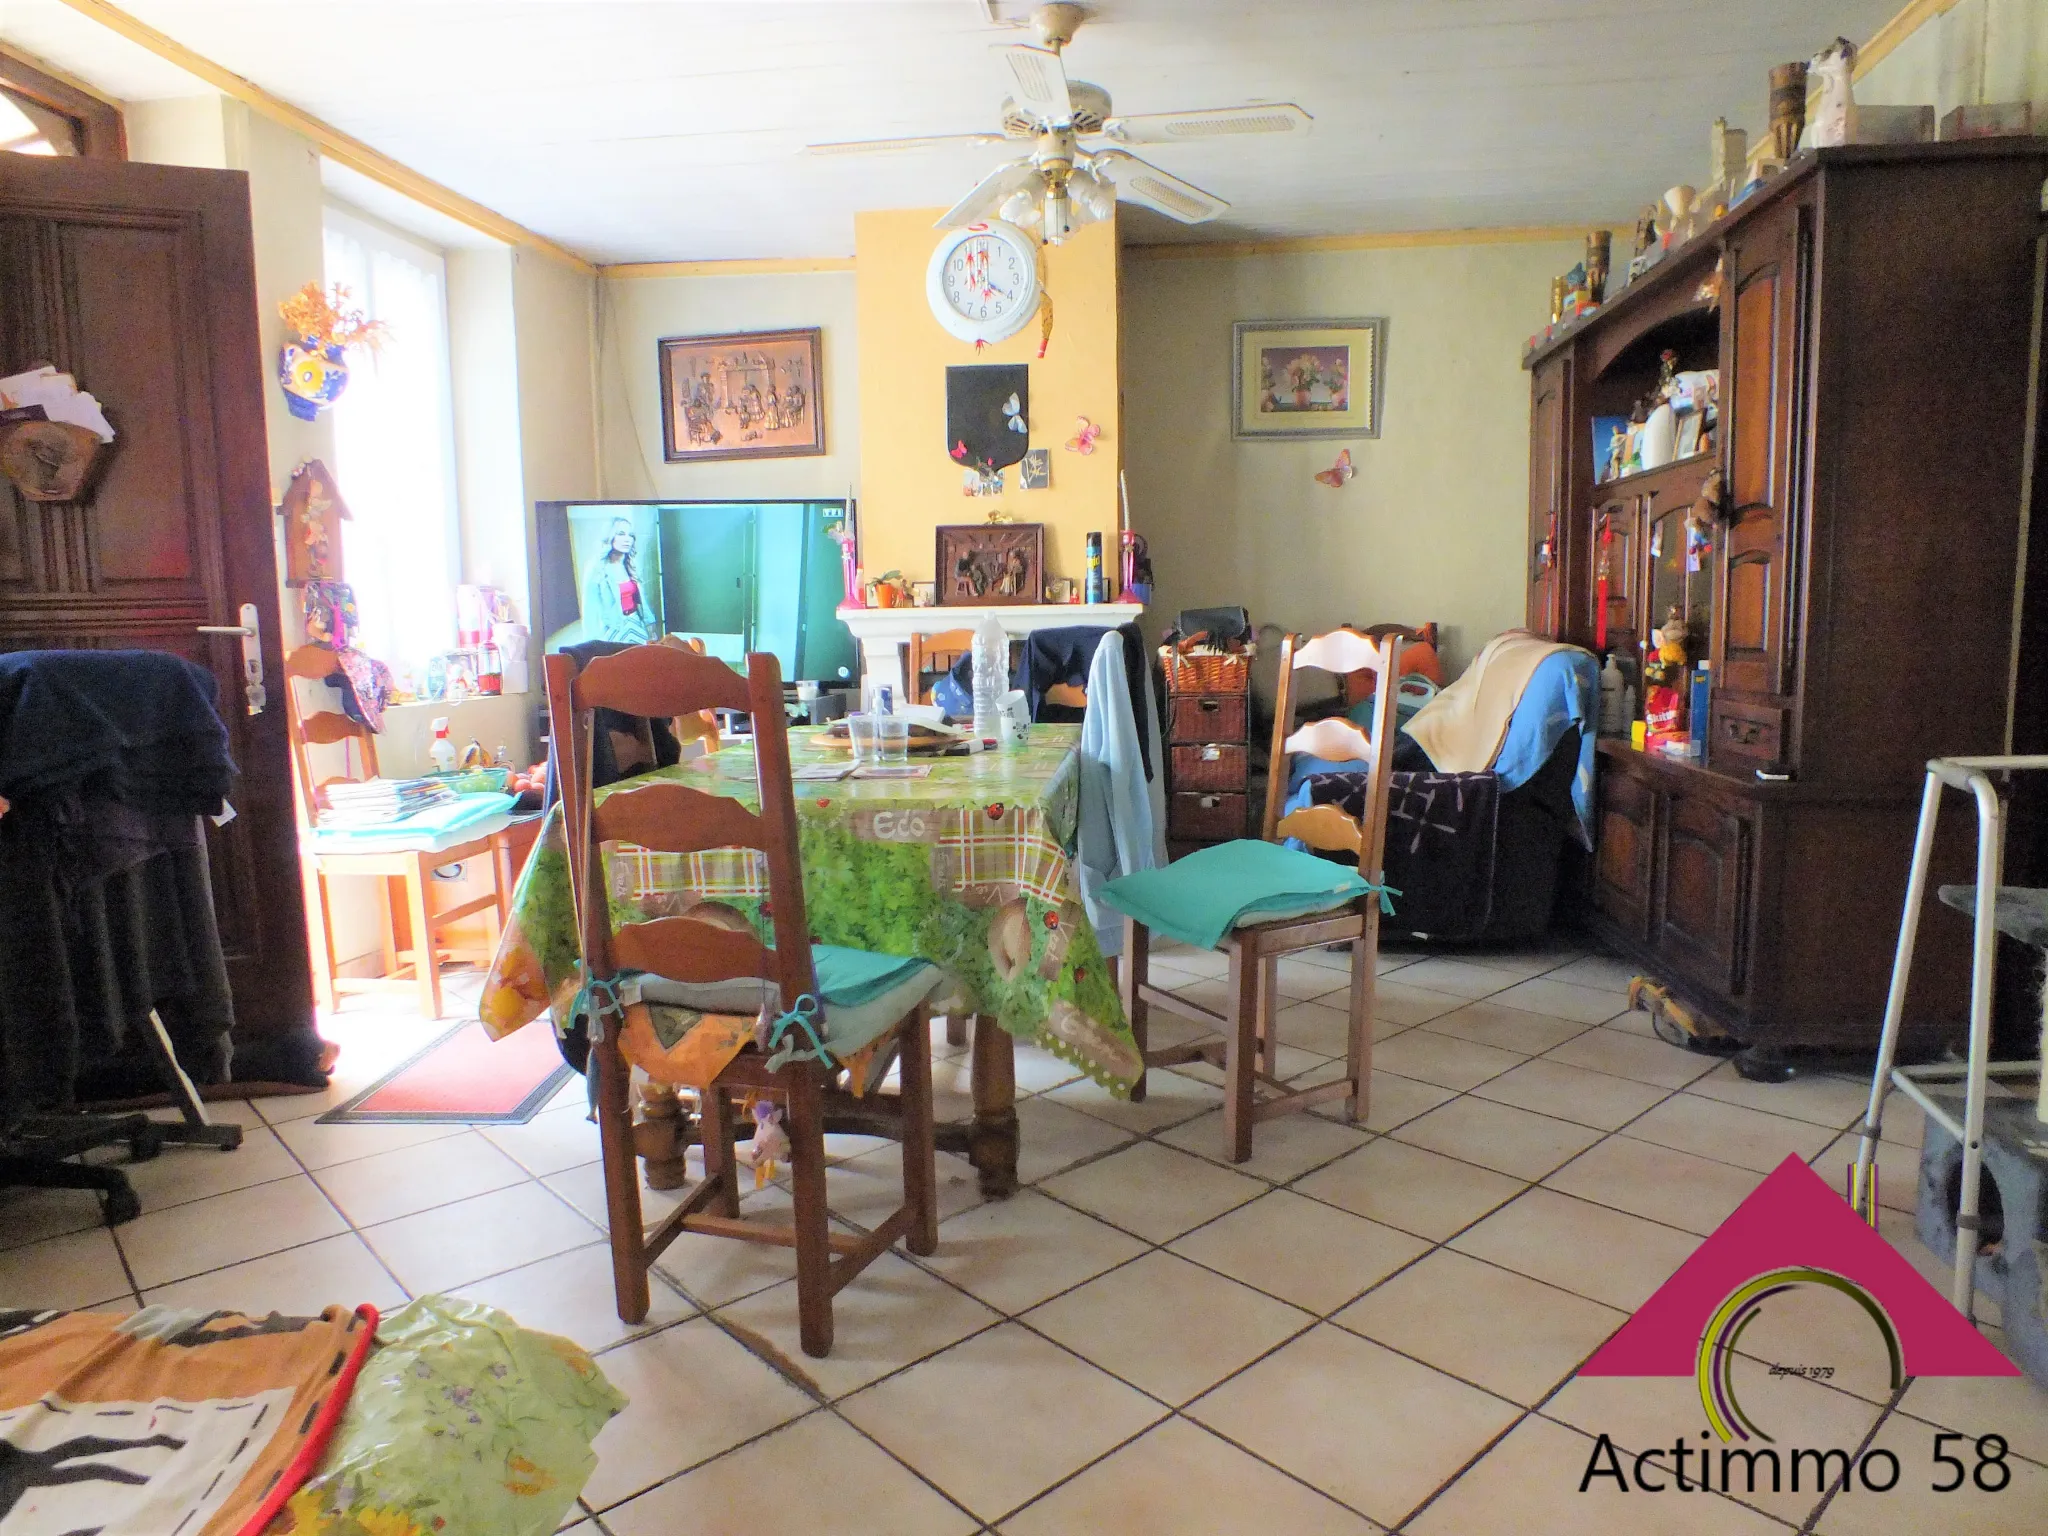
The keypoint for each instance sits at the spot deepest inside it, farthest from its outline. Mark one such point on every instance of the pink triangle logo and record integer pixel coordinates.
(1793, 1230)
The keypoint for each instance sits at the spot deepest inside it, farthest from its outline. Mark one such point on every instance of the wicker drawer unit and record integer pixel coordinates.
(1196, 819)
(1199, 717)
(1208, 760)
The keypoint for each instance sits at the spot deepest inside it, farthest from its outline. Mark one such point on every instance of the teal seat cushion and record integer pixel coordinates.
(861, 993)
(1200, 898)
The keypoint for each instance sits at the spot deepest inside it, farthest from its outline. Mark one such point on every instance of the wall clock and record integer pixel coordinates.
(983, 281)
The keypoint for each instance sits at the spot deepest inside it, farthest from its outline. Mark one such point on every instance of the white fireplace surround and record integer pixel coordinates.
(883, 632)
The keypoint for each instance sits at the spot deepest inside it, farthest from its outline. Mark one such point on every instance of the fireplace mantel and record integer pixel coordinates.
(882, 632)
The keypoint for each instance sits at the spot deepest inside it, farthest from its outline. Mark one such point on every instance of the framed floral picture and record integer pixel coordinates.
(1306, 378)
(748, 395)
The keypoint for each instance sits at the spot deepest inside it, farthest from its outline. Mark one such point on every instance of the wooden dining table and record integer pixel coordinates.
(968, 864)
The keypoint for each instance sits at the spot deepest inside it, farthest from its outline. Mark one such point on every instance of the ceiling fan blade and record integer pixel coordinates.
(1041, 83)
(1208, 123)
(892, 146)
(981, 204)
(1140, 181)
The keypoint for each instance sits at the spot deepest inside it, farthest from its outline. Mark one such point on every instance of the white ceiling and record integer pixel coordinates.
(649, 130)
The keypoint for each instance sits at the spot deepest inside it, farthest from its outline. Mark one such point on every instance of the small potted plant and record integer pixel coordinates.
(312, 367)
(891, 590)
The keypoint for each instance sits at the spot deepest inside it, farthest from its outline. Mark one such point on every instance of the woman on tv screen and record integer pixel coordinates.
(615, 605)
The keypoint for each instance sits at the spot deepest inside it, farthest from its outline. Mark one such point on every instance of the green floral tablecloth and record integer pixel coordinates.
(968, 868)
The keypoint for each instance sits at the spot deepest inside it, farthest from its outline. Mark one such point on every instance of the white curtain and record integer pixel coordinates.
(395, 446)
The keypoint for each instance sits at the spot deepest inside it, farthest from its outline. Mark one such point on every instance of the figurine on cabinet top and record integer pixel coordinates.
(1835, 122)
(1598, 246)
(1788, 110)
(1646, 230)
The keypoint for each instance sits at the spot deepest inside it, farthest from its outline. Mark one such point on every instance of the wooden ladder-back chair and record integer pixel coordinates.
(1248, 1052)
(671, 817)
(404, 876)
(935, 652)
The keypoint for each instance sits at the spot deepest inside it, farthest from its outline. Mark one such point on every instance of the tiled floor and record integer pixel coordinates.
(1360, 1330)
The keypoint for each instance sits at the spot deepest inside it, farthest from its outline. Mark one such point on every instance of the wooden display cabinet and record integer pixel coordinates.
(1871, 311)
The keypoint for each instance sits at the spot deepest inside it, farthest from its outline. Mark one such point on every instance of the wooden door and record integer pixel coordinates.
(1761, 358)
(1703, 896)
(1627, 842)
(140, 280)
(1549, 488)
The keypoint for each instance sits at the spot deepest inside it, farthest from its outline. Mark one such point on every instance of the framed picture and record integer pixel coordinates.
(750, 395)
(1306, 378)
(991, 564)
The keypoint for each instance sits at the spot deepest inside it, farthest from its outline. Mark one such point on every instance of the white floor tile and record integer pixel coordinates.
(484, 1235)
(999, 1419)
(180, 1174)
(1181, 1480)
(322, 1146)
(1153, 1191)
(77, 1270)
(816, 1475)
(555, 1139)
(890, 1315)
(168, 1245)
(695, 1391)
(299, 1282)
(1166, 1326)
(1015, 1253)
(412, 1179)
(572, 1295)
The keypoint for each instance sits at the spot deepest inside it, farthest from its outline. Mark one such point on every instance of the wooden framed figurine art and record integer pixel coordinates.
(985, 564)
(748, 395)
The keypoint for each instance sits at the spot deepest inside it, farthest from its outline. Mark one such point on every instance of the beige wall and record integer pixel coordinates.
(636, 312)
(490, 470)
(555, 311)
(1431, 527)
(1977, 51)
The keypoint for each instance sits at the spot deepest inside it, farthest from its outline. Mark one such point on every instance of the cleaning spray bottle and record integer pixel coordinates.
(441, 749)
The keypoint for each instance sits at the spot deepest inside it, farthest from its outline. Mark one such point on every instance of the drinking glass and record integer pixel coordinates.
(892, 739)
(860, 730)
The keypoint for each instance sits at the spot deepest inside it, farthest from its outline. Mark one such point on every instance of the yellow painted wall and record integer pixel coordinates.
(908, 486)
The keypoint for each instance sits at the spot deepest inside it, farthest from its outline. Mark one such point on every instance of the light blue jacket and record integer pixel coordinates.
(1122, 816)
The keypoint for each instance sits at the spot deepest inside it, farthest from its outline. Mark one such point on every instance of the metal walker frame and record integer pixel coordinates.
(1971, 776)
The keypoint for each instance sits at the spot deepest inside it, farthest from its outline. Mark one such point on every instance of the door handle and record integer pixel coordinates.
(252, 655)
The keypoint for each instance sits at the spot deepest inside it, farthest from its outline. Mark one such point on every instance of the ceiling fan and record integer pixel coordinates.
(1062, 184)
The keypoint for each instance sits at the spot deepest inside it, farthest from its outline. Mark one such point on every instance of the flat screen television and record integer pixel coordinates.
(739, 575)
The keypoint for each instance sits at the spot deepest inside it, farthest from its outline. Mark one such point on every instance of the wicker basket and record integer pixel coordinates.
(1206, 672)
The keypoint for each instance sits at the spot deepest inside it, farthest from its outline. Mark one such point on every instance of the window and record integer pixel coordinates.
(394, 437)
(43, 115)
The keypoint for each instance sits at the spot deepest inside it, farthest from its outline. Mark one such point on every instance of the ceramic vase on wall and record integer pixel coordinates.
(312, 375)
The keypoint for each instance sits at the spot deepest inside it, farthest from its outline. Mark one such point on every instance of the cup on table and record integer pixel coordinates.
(860, 731)
(892, 739)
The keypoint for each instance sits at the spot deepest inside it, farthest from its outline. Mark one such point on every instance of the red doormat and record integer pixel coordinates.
(466, 1077)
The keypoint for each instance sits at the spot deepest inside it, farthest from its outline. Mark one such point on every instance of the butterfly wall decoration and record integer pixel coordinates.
(1014, 414)
(1085, 433)
(1336, 476)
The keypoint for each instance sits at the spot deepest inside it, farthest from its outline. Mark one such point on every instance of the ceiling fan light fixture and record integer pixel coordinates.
(1093, 196)
(1020, 208)
(1058, 215)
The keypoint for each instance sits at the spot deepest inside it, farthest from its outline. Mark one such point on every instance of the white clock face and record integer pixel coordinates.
(983, 282)
(983, 279)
